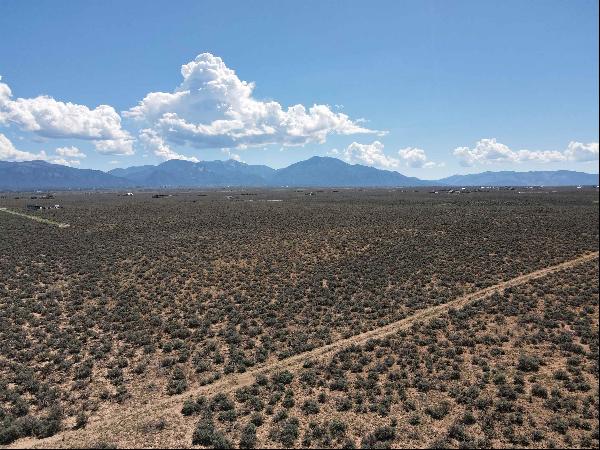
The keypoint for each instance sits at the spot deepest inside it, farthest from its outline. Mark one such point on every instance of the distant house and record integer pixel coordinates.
(38, 207)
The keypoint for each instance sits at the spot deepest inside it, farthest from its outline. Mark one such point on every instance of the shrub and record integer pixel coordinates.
(286, 432)
(528, 363)
(310, 407)
(559, 425)
(539, 391)
(438, 411)
(414, 419)
(380, 438)
(227, 416)
(204, 433)
(189, 407)
(248, 436)
(337, 428)
(220, 441)
(469, 418)
(257, 419)
(221, 402)
(282, 378)
(177, 384)
(344, 404)
(8, 433)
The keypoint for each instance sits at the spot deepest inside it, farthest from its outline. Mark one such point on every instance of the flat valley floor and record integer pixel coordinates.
(300, 318)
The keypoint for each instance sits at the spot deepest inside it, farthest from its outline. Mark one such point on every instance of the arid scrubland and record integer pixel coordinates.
(145, 298)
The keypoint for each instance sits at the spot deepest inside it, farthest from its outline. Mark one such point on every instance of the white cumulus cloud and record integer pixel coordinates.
(370, 155)
(213, 108)
(65, 162)
(50, 118)
(414, 157)
(115, 147)
(154, 142)
(8, 152)
(488, 151)
(484, 150)
(373, 155)
(576, 151)
(70, 152)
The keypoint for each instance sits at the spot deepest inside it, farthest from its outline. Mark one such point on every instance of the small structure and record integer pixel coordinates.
(39, 207)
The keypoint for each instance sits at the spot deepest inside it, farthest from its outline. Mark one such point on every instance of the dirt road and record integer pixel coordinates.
(36, 218)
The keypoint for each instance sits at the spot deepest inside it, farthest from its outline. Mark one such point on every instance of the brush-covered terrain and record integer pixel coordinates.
(514, 370)
(149, 296)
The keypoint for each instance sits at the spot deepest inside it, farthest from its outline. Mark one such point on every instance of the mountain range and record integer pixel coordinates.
(31, 175)
(314, 172)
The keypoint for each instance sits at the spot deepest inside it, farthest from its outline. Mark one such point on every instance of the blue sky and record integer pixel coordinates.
(428, 88)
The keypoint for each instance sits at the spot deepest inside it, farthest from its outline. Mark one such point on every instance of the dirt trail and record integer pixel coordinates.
(125, 426)
(36, 218)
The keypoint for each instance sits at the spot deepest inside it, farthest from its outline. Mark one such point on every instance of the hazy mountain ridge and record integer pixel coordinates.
(31, 175)
(204, 173)
(532, 178)
(316, 171)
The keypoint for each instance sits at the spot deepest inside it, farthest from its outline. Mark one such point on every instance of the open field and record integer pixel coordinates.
(145, 301)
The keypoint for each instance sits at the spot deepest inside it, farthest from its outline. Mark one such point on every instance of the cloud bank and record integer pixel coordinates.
(370, 155)
(373, 155)
(213, 108)
(50, 118)
(417, 158)
(8, 152)
(154, 142)
(70, 152)
(489, 151)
